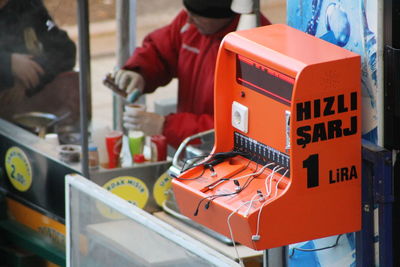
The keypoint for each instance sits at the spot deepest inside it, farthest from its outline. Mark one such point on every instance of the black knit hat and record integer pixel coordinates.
(210, 8)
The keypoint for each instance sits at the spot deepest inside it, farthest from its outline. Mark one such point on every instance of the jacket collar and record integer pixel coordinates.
(227, 29)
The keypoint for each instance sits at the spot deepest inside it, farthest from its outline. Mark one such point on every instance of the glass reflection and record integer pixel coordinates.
(36, 67)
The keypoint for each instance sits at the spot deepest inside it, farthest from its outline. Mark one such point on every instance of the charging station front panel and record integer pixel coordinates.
(288, 105)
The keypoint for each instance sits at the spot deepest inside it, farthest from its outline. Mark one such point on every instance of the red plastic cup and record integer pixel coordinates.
(158, 147)
(114, 145)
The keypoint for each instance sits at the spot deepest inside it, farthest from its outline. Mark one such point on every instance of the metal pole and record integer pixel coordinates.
(276, 257)
(285, 256)
(84, 80)
(265, 258)
(380, 70)
(256, 11)
(126, 27)
(132, 29)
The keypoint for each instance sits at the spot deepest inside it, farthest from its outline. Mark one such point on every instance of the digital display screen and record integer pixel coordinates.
(264, 80)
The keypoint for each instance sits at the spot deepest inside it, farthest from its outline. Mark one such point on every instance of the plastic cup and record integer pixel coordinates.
(158, 148)
(136, 142)
(114, 145)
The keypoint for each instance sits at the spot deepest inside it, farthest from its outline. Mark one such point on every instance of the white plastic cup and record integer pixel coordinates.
(52, 138)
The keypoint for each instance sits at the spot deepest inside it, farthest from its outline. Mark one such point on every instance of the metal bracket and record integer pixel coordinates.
(392, 98)
(378, 198)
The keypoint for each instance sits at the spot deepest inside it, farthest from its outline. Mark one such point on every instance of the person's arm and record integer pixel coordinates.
(19, 67)
(156, 60)
(179, 126)
(59, 51)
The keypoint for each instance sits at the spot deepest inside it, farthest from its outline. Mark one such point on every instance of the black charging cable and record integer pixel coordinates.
(192, 164)
(316, 249)
(215, 159)
(212, 197)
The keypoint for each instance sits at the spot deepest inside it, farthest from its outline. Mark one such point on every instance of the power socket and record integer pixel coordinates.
(240, 117)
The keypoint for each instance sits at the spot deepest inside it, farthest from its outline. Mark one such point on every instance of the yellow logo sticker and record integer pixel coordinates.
(161, 188)
(18, 169)
(129, 188)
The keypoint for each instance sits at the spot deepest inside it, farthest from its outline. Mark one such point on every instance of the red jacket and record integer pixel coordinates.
(179, 50)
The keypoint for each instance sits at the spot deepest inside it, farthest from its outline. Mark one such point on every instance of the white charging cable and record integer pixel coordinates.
(268, 180)
(251, 204)
(231, 232)
(280, 179)
(268, 189)
(256, 237)
(254, 173)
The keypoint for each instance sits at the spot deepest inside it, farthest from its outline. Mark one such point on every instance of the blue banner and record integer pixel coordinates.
(353, 26)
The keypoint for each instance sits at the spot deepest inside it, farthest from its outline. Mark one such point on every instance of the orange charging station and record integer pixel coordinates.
(286, 163)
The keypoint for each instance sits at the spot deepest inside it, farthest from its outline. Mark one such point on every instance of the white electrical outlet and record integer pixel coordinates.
(240, 117)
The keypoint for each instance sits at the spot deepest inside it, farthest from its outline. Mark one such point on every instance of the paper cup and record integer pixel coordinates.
(132, 107)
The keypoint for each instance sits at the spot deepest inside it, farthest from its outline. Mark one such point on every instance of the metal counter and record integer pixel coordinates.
(46, 192)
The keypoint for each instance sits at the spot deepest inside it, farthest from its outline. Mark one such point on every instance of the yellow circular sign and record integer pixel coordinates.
(129, 188)
(161, 188)
(18, 169)
(108, 211)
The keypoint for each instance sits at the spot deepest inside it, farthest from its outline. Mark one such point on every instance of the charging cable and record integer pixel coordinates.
(268, 190)
(280, 179)
(268, 180)
(251, 204)
(254, 173)
(316, 249)
(231, 232)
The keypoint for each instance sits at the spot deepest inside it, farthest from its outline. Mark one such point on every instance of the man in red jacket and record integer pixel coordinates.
(186, 49)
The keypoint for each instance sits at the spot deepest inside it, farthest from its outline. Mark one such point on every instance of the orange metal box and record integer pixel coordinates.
(288, 105)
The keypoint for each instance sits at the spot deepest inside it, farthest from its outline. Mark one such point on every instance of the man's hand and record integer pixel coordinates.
(25, 69)
(131, 82)
(148, 122)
